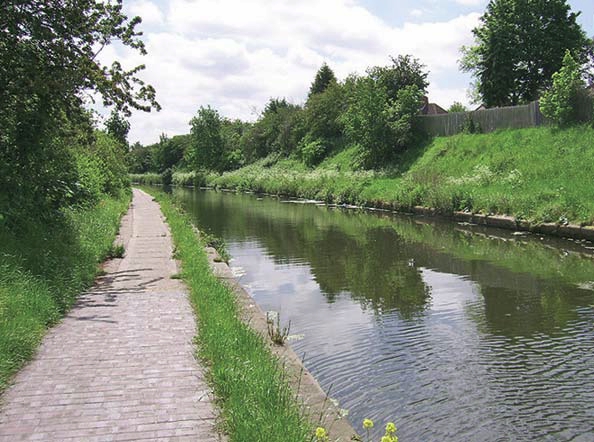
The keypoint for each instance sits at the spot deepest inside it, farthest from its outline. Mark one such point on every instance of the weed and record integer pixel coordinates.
(277, 334)
(116, 251)
(218, 244)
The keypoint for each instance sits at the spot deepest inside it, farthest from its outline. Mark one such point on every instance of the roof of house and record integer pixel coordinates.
(434, 109)
(431, 108)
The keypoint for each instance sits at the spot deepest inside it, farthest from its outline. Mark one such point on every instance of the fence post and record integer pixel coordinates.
(537, 114)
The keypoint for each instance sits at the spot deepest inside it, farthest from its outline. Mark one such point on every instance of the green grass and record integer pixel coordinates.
(540, 174)
(249, 384)
(43, 267)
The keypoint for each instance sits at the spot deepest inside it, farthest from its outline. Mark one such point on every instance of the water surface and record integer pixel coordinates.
(452, 331)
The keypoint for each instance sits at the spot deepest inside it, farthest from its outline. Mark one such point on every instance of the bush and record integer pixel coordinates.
(101, 169)
(313, 152)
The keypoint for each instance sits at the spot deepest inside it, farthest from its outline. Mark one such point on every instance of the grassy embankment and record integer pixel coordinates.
(43, 268)
(539, 174)
(249, 384)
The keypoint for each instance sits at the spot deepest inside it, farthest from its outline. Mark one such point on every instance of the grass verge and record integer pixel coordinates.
(249, 383)
(42, 270)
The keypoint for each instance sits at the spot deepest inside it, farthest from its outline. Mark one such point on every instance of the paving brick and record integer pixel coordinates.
(121, 365)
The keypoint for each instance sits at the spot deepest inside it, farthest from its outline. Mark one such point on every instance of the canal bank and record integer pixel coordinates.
(536, 180)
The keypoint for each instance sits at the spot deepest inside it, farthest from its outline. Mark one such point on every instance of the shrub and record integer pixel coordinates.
(313, 152)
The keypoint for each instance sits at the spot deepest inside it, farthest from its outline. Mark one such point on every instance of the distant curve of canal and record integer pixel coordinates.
(454, 332)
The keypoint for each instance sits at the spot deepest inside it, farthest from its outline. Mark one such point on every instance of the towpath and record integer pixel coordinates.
(121, 365)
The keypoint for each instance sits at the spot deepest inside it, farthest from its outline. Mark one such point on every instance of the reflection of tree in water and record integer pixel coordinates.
(344, 252)
(515, 303)
(527, 287)
(376, 270)
(547, 309)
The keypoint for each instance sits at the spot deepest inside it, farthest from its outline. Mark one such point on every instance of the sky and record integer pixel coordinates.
(236, 54)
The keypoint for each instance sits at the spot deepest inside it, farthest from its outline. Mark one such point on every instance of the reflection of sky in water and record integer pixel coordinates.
(405, 329)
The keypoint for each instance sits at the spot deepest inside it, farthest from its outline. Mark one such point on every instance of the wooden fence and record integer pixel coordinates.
(489, 120)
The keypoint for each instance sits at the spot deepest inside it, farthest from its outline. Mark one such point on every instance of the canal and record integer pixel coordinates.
(452, 331)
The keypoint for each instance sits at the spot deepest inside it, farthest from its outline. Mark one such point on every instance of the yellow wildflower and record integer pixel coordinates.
(321, 434)
(390, 428)
(367, 424)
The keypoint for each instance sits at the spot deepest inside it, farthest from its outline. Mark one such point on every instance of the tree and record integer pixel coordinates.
(518, 47)
(232, 131)
(559, 104)
(168, 152)
(401, 114)
(324, 78)
(457, 107)
(48, 64)
(377, 124)
(118, 127)
(381, 109)
(589, 65)
(139, 158)
(206, 148)
(276, 131)
(404, 71)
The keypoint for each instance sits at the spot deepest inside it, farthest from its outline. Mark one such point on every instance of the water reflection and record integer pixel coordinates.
(454, 331)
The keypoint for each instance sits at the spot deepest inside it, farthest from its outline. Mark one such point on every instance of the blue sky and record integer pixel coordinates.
(235, 54)
(397, 12)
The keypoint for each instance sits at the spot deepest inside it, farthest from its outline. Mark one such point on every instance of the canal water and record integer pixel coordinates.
(452, 331)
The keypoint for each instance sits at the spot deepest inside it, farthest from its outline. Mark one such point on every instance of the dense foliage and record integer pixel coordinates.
(518, 46)
(48, 64)
(559, 104)
(373, 112)
(324, 78)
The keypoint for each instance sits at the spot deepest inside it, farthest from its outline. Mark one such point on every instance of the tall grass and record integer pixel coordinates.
(192, 178)
(256, 401)
(289, 177)
(149, 179)
(42, 270)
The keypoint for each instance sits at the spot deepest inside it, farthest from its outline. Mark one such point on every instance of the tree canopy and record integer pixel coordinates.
(118, 127)
(404, 71)
(324, 78)
(49, 65)
(518, 46)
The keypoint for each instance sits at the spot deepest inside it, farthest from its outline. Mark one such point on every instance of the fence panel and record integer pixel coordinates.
(489, 120)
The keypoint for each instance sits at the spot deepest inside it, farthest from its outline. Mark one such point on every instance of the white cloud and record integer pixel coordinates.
(416, 13)
(150, 12)
(235, 54)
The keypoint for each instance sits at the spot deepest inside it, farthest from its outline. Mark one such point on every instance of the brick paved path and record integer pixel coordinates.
(120, 366)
